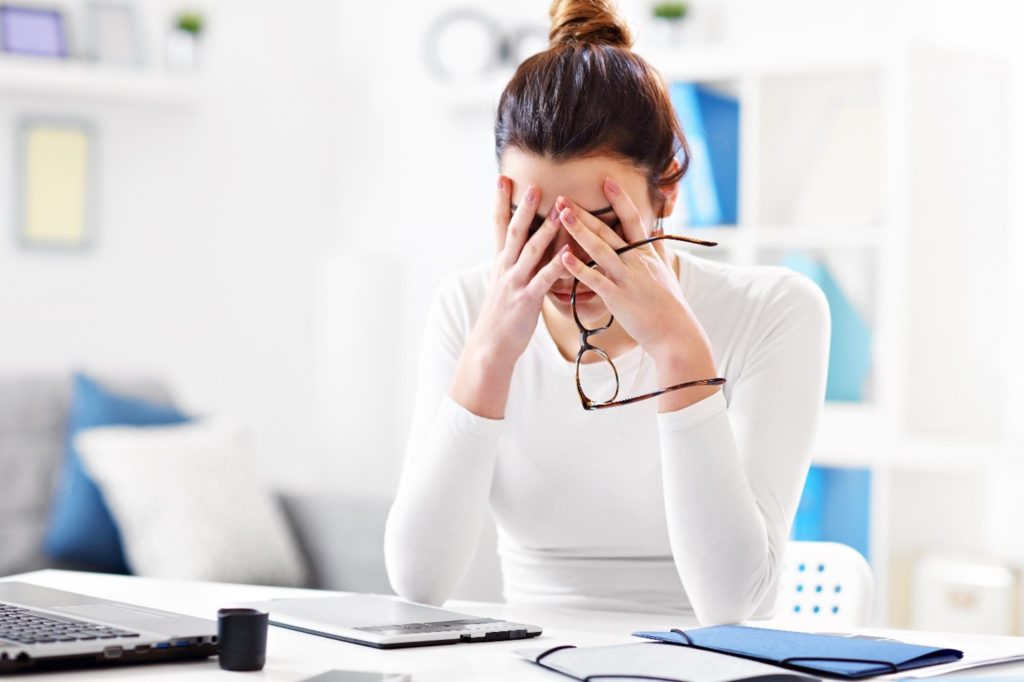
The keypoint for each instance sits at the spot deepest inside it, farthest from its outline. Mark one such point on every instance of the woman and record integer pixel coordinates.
(679, 503)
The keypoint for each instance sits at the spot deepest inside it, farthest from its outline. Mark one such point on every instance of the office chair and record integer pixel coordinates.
(825, 584)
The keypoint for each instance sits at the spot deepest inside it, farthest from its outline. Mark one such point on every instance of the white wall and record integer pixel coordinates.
(209, 216)
(414, 203)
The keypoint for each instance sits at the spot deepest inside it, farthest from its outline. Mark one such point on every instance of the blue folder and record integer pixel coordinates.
(849, 362)
(721, 116)
(851, 657)
(698, 186)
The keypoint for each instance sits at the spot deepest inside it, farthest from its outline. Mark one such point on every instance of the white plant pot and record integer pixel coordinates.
(182, 50)
(666, 32)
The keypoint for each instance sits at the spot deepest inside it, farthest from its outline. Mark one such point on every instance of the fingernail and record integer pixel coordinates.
(612, 186)
(560, 203)
(567, 217)
(568, 257)
(553, 215)
(501, 182)
(531, 194)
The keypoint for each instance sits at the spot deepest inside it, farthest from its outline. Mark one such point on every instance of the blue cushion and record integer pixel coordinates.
(81, 532)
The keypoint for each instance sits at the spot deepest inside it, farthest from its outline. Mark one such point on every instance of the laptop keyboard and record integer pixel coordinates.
(25, 626)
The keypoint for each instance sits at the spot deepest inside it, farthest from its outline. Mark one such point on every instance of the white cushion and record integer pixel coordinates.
(190, 505)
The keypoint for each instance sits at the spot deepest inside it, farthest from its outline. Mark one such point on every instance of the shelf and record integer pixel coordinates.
(719, 62)
(907, 453)
(816, 237)
(474, 96)
(88, 80)
(860, 435)
(695, 63)
(843, 420)
(785, 237)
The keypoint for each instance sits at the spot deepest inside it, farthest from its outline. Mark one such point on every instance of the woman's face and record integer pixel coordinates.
(581, 181)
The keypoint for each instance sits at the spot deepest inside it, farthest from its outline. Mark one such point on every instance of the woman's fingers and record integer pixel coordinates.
(536, 245)
(598, 249)
(594, 280)
(596, 225)
(518, 226)
(502, 211)
(659, 246)
(547, 275)
(632, 224)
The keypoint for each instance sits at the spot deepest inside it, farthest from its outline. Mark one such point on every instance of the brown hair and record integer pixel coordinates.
(589, 94)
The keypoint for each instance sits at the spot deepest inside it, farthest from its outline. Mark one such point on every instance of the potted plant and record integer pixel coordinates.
(667, 21)
(183, 40)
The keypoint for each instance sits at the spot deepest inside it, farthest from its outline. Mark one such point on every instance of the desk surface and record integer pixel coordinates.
(294, 656)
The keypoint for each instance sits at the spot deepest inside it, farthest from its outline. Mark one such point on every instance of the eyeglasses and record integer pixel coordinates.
(587, 347)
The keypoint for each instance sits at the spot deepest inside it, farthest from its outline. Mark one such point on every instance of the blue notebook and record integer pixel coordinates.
(851, 657)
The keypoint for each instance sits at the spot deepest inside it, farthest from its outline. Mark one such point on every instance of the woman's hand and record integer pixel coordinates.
(512, 305)
(640, 289)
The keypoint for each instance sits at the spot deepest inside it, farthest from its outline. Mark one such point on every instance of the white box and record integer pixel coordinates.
(961, 595)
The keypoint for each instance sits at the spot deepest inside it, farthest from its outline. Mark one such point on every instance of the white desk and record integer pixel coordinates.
(294, 656)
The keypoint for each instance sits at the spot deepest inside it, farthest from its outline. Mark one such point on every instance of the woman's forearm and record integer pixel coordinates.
(719, 537)
(733, 472)
(435, 523)
(682, 364)
(481, 380)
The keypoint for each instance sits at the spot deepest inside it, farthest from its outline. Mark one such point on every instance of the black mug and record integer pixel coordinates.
(242, 638)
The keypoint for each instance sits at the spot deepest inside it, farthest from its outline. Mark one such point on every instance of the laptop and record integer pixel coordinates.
(388, 622)
(43, 628)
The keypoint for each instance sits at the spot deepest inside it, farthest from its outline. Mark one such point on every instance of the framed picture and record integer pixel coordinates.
(56, 175)
(112, 33)
(33, 31)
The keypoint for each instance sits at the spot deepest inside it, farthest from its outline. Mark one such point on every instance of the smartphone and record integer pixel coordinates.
(357, 676)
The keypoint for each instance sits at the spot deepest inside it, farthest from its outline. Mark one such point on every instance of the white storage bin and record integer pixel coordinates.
(960, 595)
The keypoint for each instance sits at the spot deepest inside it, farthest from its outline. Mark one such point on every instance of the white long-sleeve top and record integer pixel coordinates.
(624, 508)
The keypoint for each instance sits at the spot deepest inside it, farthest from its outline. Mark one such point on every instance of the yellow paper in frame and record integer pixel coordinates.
(56, 166)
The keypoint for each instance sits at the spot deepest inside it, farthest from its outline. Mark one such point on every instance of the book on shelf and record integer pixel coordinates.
(721, 114)
(710, 122)
(849, 360)
(836, 506)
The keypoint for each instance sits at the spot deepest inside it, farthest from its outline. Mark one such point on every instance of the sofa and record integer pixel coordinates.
(340, 536)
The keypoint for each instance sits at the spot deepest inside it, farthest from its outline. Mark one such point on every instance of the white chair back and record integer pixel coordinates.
(824, 584)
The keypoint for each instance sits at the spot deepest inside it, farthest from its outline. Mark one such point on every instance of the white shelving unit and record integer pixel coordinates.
(92, 81)
(877, 186)
(785, 101)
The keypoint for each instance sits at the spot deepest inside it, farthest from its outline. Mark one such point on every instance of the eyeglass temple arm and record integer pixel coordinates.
(644, 242)
(673, 237)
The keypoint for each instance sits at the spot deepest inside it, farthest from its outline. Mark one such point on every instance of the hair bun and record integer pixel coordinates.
(588, 21)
